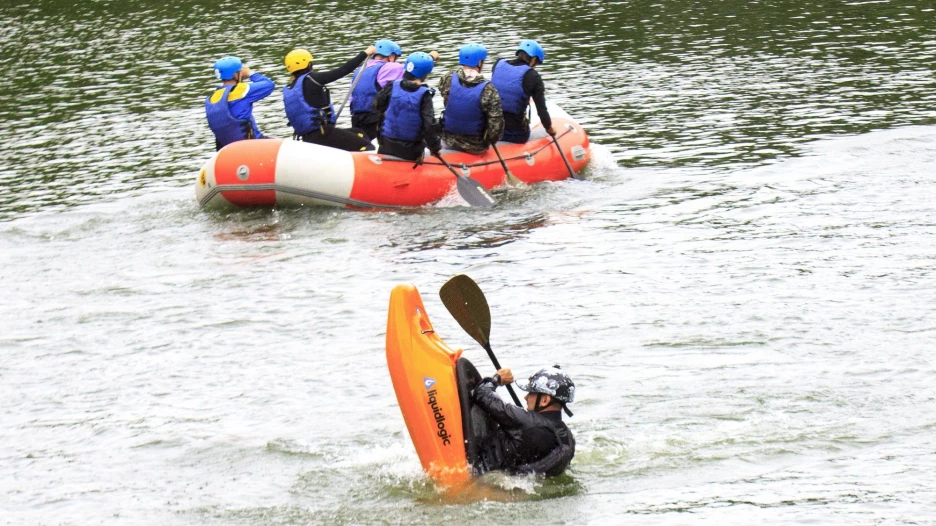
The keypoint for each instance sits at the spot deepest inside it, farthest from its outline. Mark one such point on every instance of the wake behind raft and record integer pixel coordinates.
(278, 172)
(433, 387)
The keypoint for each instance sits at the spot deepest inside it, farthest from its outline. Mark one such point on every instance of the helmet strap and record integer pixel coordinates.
(566, 409)
(536, 406)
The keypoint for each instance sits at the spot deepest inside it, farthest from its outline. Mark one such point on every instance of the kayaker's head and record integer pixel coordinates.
(418, 66)
(550, 389)
(472, 56)
(298, 61)
(228, 69)
(531, 52)
(387, 50)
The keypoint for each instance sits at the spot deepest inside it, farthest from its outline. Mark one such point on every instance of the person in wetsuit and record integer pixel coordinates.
(408, 124)
(230, 108)
(517, 81)
(309, 107)
(535, 440)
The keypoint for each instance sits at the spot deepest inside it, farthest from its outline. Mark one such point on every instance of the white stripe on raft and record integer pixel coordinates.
(312, 167)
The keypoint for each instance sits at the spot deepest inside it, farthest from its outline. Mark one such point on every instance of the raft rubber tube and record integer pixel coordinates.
(278, 172)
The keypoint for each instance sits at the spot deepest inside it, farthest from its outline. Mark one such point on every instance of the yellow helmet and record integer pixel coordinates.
(298, 59)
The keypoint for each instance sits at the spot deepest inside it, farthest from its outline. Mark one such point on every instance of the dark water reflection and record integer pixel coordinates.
(104, 98)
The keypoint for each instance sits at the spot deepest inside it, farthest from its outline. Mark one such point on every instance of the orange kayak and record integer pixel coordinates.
(423, 371)
(277, 172)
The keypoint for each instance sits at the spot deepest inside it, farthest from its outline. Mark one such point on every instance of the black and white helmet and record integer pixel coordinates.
(553, 382)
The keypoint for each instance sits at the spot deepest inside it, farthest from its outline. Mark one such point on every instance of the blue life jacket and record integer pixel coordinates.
(366, 89)
(301, 116)
(508, 79)
(403, 120)
(226, 127)
(463, 113)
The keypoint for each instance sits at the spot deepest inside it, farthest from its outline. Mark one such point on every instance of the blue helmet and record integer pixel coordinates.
(419, 64)
(388, 47)
(225, 68)
(532, 48)
(470, 54)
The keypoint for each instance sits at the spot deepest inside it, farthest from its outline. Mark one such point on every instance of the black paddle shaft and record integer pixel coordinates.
(566, 161)
(465, 301)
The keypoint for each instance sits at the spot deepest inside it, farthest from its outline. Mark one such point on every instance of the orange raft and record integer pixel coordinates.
(423, 371)
(277, 172)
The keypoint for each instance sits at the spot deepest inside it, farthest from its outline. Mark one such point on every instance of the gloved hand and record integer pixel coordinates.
(551, 131)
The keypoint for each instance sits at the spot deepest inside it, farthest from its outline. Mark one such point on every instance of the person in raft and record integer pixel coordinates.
(473, 118)
(309, 108)
(408, 124)
(516, 81)
(230, 108)
(532, 441)
(379, 71)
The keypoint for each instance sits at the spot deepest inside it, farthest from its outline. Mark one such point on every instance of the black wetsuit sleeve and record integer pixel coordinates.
(506, 415)
(325, 77)
(533, 84)
(430, 127)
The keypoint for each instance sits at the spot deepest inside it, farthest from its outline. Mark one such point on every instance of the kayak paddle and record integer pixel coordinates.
(470, 190)
(467, 304)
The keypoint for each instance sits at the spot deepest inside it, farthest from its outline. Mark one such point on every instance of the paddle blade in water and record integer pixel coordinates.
(467, 304)
(475, 193)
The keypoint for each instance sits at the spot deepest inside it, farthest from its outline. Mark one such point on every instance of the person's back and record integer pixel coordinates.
(308, 104)
(379, 71)
(229, 109)
(517, 82)
(535, 440)
(473, 118)
(408, 123)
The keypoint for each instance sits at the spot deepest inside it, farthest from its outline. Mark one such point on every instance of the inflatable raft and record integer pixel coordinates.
(433, 385)
(278, 172)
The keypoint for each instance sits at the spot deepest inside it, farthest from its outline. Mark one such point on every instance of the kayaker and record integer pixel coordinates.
(535, 440)
(408, 124)
(517, 81)
(230, 108)
(379, 71)
(473, 119)
(309, 107)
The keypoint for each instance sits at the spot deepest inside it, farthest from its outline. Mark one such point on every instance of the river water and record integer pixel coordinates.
(743, 289)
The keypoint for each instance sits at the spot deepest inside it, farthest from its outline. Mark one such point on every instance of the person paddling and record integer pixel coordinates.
(308, 102)
(408, 124)
(230, 108)
(517, 81)
(473, 119)
(377, 73)
(535, 440)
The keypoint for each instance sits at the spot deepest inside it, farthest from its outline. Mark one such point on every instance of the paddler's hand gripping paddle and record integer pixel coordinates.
(467, 304)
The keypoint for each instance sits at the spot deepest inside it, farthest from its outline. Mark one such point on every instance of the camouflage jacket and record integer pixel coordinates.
(490, 106)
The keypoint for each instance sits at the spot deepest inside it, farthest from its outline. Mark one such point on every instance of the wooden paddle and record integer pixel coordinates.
(471, 190)
(511, 178)
(467, 304)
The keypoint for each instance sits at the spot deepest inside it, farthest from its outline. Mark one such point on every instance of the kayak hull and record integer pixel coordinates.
(423, 371)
